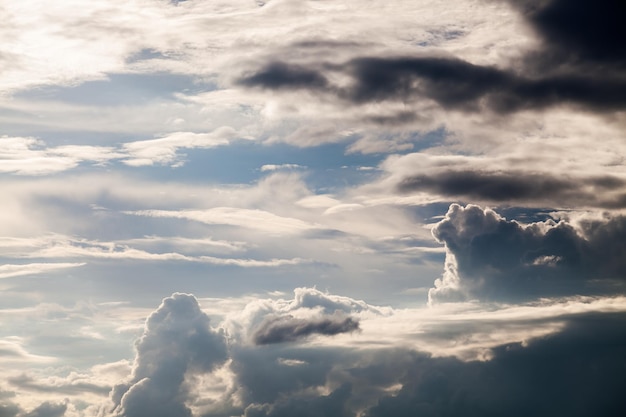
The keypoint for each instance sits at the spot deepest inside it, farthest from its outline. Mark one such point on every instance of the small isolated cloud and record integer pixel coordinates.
(177, 340)
(273, 167)
(289, 329)
(489, 257)
(164, 151)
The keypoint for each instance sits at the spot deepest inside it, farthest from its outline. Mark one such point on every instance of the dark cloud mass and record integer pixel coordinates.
(577, 372)
(580, 62)
(489, 257)
(288, 328)
(177, 340)
(451, 82)
(520, 187)
(579, 32)
(48, 409)
(280, 75)
(333, 404)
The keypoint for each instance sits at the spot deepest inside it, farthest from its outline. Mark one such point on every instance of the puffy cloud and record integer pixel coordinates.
(177, 340)
(489, 257)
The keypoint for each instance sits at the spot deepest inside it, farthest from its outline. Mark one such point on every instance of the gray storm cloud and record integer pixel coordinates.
(288, 328)
(177, 339)
(489, 257)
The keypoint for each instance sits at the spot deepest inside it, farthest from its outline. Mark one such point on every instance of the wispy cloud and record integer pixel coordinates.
(9, 270)
(233, 216)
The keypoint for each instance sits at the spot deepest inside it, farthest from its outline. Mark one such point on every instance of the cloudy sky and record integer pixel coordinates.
(334, 208)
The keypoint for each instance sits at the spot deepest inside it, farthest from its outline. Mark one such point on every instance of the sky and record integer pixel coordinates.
(332, 208)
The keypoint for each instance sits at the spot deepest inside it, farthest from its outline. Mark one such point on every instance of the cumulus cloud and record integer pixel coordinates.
(489, 257)
(177, 340)
(402, 361)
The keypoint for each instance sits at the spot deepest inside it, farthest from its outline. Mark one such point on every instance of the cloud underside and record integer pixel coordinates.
(489, 257)
(520, 187)
(287, 328)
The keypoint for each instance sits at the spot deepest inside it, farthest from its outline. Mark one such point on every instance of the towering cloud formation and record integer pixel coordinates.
(177, 340)
(488, 257)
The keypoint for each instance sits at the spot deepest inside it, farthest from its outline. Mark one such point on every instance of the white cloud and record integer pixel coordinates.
(274, 167)
(8, 271)
(254, 219)
(165, 150)
(66, 247)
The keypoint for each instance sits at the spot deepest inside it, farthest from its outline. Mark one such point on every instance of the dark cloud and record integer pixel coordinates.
(45, 409)
(263, 375)
(280, 75)
(489, 257)
(177, 340)
(580, 61)
(578, 32)
(8, 409)
(515, 186)
(451, 82)
(331, 405)
(288, 328)
(577, 372)
(48, 409)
